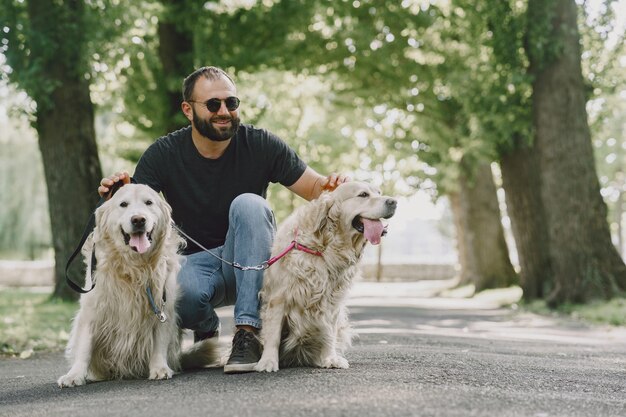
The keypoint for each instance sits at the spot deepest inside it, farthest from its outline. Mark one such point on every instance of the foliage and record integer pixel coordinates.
(31, 322)
(229, 36)
(489, 74)
(28, 50)
(539, 40)
(402, 67)
(427, 73)
(403, 90)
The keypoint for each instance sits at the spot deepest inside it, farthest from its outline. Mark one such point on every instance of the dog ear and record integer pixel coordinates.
(165, 226)
(165, 215)
(322, 216)
(102, 215)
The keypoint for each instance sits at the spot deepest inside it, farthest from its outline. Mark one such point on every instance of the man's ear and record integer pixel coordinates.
(187, 110)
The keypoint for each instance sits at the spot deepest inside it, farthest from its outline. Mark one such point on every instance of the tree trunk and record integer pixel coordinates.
(521, 182)
(484, 255)
(619, 213)
(70, 158)
(67, 140)
(585, 264)
(176, 57)
(458, 216)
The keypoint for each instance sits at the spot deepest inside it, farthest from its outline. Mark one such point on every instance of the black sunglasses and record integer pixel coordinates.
(214, 104)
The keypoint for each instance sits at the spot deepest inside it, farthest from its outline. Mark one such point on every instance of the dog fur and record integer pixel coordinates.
(305, 320)
(115, 333)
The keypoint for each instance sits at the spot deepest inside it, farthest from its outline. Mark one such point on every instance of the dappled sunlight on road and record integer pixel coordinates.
(428, 293)
(482, 317)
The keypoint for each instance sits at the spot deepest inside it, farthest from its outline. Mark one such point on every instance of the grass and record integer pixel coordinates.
(30, 322)
(611, 312)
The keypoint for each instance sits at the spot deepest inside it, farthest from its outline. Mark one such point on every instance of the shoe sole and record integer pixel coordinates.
(239, 368)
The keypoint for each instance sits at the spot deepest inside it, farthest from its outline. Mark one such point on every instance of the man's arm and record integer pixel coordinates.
(311, 184)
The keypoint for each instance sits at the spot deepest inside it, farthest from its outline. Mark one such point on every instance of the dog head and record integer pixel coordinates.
(357, 208)
(133, 218)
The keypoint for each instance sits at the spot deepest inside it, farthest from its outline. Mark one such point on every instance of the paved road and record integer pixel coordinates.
(415, 356)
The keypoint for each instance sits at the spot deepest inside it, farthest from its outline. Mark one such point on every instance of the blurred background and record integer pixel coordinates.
(499, 124)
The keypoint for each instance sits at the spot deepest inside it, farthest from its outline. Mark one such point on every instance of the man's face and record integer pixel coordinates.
(222, 124)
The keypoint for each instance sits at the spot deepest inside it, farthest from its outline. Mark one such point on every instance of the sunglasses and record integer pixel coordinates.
(214, 104)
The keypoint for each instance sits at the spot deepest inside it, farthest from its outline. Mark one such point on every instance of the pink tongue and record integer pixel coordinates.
(373, 230)
(139, 242)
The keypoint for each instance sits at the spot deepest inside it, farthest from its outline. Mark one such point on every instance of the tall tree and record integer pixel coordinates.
(176, 58)
(503, 85)
(46, 45)
(521, 182)
(483, 253)
(585, 263)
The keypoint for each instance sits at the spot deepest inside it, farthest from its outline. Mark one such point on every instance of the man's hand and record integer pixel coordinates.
(311, 184)
(333, 181)
(107, 182)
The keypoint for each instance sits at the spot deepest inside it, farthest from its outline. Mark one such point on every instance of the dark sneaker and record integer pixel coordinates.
(200, 336)
(245, 353)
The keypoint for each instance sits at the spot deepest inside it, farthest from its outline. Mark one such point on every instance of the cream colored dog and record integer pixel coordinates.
(118, 332)
(305, 319)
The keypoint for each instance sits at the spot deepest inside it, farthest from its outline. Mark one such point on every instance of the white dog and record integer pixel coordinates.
(305, 320)
(126, 326)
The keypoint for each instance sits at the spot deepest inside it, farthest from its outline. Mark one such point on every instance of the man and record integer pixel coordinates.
(215, 175)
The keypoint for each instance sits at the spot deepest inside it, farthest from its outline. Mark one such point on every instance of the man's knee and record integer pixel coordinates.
(251, 206)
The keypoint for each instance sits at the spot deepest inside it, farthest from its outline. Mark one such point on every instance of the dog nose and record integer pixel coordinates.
(391, 203)
(138, 221)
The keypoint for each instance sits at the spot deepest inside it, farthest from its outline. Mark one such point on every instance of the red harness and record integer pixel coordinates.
(293, 245)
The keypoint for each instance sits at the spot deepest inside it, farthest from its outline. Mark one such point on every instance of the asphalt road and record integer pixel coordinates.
(415, 356)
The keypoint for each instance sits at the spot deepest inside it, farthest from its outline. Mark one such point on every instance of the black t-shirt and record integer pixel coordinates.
(200, 190)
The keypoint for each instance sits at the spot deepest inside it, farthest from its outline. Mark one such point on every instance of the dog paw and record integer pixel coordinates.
(267, 365)
(162, 372)
(338, 362)
(72, 380)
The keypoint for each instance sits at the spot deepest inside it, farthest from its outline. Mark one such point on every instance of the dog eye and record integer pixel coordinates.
(364, 194)
(148, 202)
(123, 204)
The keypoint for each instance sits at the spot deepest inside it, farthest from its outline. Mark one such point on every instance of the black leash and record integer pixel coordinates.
(160, 314)
(91, 223)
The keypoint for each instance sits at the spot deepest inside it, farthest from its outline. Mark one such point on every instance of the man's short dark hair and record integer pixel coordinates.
(210, 73)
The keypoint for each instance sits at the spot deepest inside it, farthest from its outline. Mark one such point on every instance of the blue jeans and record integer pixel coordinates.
(207, 283)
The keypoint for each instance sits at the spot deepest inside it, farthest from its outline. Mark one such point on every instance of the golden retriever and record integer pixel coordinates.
(117, 332)
(305, 321)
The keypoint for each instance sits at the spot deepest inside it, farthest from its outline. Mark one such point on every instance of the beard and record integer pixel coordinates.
(220, 134)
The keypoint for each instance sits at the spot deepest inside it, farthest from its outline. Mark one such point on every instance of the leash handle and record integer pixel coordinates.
(88, 228)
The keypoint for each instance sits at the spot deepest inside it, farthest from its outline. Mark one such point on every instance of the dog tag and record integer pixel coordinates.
(162, 317)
